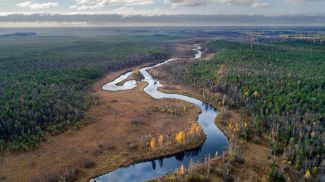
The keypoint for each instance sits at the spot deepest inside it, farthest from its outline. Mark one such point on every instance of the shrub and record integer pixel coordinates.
(256, 139)
(275, 175)
(225, 116)
(2, 145)
(70, 174)
(228, 178)
(89, 164)
(192, 177)
(245, 133)
(239, 158)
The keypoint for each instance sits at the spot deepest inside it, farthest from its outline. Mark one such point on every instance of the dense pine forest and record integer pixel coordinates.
(45, 81)
(280, 86)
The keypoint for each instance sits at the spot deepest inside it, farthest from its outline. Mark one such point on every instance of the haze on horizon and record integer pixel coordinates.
(58, 13)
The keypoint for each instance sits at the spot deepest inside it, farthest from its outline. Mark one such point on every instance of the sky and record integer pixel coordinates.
(157, 12)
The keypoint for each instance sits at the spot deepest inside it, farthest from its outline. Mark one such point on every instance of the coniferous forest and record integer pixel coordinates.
(44, 82)
(279, 85)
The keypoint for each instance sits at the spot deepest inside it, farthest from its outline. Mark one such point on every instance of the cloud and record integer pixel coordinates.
(303, 1)
(191, 3)
(260, 5)
(187, 2)
(131, 11)
(37, 6)
(98, 4)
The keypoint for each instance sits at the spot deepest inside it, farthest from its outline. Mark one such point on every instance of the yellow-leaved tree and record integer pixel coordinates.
(195, 130)
(153, 143)
(256, 94)
(180, 171)
(161, 141)
(180, 137)
(192, 130)
(307, 174)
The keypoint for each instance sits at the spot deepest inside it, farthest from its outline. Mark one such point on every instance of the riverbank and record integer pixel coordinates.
(256, 156)
(248, 159)
(205, 120)
(119, 127)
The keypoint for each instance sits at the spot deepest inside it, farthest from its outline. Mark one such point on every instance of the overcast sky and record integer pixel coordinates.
(87, 12)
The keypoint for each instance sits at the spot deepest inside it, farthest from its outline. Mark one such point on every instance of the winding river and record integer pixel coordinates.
(216, 141)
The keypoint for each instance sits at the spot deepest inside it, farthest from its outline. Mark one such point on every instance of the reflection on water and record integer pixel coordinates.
(215, 142)
(113, 87)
